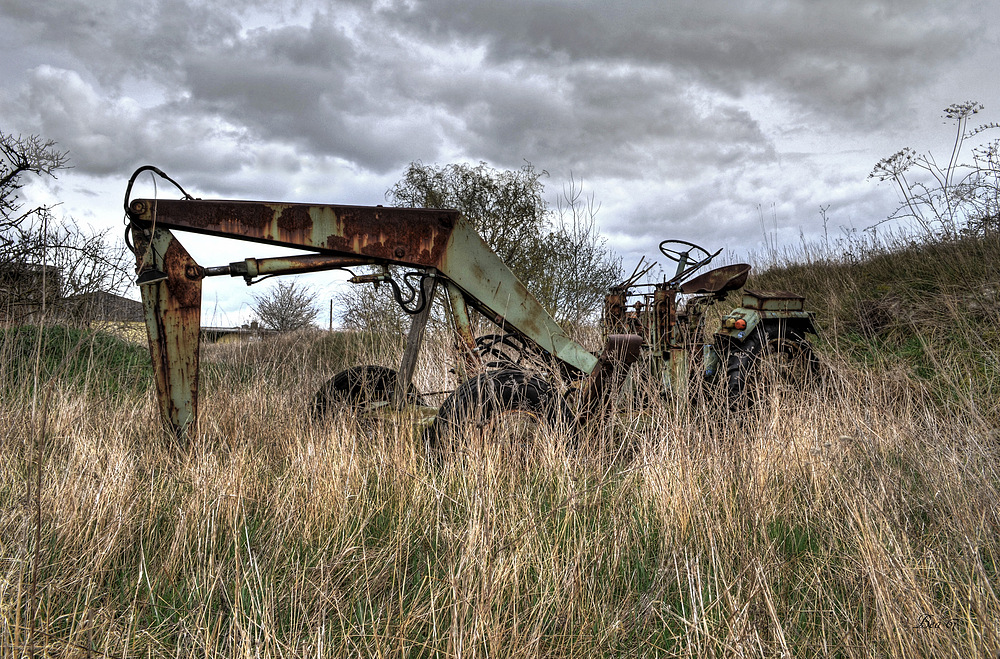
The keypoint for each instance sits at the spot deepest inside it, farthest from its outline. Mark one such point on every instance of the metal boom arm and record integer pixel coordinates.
(430, 239)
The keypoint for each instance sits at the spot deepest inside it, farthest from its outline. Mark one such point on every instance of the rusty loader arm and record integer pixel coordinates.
(440, 244)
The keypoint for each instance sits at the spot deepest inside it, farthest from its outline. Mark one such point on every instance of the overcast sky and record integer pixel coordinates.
(684, 119)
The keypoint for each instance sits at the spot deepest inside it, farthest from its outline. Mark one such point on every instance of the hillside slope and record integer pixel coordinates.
(928, 308)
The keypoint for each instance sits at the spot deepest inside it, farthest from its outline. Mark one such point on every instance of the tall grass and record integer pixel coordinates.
(857, 518)
(930, 309)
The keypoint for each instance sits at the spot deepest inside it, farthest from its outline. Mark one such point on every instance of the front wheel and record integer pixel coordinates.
(774, 356)
(507, 406)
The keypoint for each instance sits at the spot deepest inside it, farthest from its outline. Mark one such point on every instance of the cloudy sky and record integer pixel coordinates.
(688, 120)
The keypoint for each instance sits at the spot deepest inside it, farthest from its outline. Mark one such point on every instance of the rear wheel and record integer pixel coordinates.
(774, 356)
(359, 387)
(507, 406)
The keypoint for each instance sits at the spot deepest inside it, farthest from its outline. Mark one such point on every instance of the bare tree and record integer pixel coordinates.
(286, 307)
(78, 262)
(44, 260)
(576, 267)
(367, 308)
(24, 155)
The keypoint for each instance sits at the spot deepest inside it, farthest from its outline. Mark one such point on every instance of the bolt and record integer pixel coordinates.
(400, 252)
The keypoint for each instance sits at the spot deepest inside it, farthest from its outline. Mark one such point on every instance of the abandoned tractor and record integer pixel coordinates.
(439, 249)
(759, 344)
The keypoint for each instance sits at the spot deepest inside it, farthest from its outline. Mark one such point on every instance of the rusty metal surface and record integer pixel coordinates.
(173, 323)
(414, 339)
(423, 238)
(464, 337)
(410, 236)
(664, 317)
(491, 288)
(773, 301)
(614, 311)
(620, 352)
(726, 278)
(281, 265)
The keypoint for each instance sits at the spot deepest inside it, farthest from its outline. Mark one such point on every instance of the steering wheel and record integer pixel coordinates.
(676, 255)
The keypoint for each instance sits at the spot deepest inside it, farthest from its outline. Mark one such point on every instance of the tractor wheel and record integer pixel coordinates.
(508, 406)
(775, 355)
(359, 387)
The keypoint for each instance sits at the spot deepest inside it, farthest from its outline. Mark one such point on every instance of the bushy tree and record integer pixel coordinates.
(286, 307)
(558, 254)
(507, 207)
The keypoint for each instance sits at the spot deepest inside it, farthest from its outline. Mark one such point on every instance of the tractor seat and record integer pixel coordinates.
(720, 280)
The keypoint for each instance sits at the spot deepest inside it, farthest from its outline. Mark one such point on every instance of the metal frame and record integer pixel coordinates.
(441, 244)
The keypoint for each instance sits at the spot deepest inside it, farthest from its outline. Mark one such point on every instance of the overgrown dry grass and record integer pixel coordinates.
(858, 518)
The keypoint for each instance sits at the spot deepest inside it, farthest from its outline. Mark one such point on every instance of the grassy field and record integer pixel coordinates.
(857, 518)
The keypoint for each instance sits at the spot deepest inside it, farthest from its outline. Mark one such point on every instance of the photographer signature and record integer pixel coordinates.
(931, 621)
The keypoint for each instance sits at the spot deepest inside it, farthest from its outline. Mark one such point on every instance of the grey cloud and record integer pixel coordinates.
(317, 87)
(724, 207)
(844, 56)
(682, 115)
(113, 39)
(624, 122)
(373, 94)
(108, 137)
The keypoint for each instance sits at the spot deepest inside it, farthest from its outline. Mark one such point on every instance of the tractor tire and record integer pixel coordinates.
(508, 406)
(775, 355)
(357, 388)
